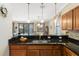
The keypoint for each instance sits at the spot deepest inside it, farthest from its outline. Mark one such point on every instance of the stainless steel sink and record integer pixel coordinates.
(40, 41)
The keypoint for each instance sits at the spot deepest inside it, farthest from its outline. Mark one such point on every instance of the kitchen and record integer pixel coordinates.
(40, 29)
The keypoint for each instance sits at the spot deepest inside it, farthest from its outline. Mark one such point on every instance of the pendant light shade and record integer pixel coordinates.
(28, 21)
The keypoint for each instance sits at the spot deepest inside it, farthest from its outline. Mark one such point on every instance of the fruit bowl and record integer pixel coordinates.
(23, 39)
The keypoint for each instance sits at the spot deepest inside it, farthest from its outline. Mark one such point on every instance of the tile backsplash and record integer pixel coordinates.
(74, 35)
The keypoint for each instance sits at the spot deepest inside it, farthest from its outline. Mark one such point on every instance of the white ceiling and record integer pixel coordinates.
(20, 11)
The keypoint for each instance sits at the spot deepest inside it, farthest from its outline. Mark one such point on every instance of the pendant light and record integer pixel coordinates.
(55, 18)
(42, 19)
(42, 9)
(55, 9)
(28, 21)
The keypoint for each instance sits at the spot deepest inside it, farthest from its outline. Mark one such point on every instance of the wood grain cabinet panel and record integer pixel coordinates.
(64, 22)
(57, 53)
(76, 18)
(32, 52)
(68, 52)
(47, 52)
(40, 47)
(18, 52)
(35, 50)
(17, 47)
(69, 20)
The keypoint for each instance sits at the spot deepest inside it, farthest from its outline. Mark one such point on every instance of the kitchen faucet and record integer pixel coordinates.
(40, 36)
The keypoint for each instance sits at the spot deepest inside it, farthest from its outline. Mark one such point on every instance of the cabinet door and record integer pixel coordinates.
(32, 52)
(69, 20)
(76, 14)
(64, 22)
(68, 52)
(46, 52)
(56, 53)
(18, 53)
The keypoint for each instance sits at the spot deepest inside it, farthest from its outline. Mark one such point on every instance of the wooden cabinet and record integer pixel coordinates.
(32, 52)
(76, 18)
(70, 20)
(46, 52)
(64, 22)
(40, 50)
(36, 50)
(18, 52)
(67, 21)
(68, 52)
(57, 52)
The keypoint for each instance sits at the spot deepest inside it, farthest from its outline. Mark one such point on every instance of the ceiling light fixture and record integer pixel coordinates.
(55, 9)
(55, 18)
(42, 9)
(28, 21)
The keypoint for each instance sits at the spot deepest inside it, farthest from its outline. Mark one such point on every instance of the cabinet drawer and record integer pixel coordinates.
(39, 47)
(57, 47)
(16, 47)
(46, 47)
(33, 47)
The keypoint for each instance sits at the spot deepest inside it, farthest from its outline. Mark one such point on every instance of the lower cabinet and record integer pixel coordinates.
(68, 52)
(35, 50)
(32, 52)
(57, 52)
(50, 52)
(46, 52)
(18, 52)
(40, 50)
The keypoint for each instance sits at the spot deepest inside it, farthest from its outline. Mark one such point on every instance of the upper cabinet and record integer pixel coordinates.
(67, 21)
(76, 18)
(64, 22)
(70, 20)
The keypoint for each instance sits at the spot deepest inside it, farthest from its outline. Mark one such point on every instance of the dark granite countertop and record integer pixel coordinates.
(41, 43)
(72, 49)
(53, 38)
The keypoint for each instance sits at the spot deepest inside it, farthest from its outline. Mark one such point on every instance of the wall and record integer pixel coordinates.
(5, 31)
(51, 26)
(54, 26)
